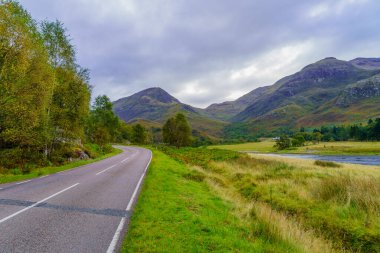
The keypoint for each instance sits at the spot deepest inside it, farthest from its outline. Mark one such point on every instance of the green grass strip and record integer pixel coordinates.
(8, 178)
(178, 213)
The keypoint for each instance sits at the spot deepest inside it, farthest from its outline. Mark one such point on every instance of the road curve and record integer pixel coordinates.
(81, 210)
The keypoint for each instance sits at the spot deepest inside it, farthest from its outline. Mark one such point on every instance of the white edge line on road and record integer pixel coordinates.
(23, 182)
(116, 237)
(105, 170)
(35, 204)
(44, 176)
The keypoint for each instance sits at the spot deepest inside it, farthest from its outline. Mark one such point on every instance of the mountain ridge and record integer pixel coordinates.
(318, 88)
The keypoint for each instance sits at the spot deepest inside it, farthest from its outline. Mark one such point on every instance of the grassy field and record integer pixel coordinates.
(323, 148)
(13, 176)
(178, 212)
(287, 205)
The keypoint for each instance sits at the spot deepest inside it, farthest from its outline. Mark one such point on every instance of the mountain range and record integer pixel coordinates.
(329, 91)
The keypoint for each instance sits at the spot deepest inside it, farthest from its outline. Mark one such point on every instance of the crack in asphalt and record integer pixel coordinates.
(106, 212)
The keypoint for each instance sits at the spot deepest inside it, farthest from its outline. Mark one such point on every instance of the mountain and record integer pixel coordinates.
(307, 89)
(156, 105)
(227, 110)
(302, 99)
(150, 104)
(357, 102)
(329, 91)
(366, 63)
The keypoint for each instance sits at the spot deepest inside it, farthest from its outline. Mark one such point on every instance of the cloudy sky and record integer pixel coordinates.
(210, 51)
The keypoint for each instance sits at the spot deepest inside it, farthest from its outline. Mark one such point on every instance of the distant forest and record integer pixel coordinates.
(369, 131)
(358, 132)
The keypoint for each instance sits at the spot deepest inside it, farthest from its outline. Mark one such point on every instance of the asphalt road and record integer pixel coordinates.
(86, 209)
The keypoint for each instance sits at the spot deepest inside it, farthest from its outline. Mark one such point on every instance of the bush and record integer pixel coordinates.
(327, 164)
(194, 176)
(18, 157)
(283, 143)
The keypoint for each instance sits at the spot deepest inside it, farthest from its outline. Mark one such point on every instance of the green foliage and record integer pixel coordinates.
(69, 102)
(139, 135)
(125, 132)
(369, 132)
(102, 124)
(298, 140)
(44, 93)
(58, 45)
(25, 81)
(34, 171)
(283, 142)
(177, 131)
(327, 164)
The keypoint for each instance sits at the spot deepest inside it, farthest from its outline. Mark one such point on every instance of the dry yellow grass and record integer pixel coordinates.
(278, 224)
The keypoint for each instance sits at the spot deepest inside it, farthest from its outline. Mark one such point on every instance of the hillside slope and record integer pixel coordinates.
(155, 105)
(328, 91)
(227, 110)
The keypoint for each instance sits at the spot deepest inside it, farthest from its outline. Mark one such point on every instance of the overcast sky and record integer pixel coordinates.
(207, 51)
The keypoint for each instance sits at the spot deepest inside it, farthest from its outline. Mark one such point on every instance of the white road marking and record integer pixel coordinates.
(44, 176)
(126, 159)
(116, 237)
(105, 170)
(35, 204)
(23, 182)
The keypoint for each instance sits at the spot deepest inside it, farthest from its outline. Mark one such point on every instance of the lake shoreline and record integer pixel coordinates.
(373, 160)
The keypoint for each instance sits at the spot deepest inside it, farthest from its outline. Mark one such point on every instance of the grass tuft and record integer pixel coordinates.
(327, 164)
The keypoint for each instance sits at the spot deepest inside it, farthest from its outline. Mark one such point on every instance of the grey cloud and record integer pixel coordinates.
(136, 44)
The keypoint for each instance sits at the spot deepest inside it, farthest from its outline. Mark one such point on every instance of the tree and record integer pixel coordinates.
(183, 131)
(283, 143)
(177, 131)
(26, 79)
(71, 94)
(57, 42)
(125, 132)
(169, 131)
(139, 135)
(374, 129)
(317, 137)
(103, 124)
(298, 140)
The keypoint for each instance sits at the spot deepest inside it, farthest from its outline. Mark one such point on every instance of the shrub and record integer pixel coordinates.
(194, 176)
(283, 143)
(327, 164)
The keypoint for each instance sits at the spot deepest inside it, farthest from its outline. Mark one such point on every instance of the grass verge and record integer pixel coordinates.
(178, 212)
(9, 177)
(319, 209)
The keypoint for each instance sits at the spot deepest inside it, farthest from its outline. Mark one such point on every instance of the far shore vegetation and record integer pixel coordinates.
(323, 148)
